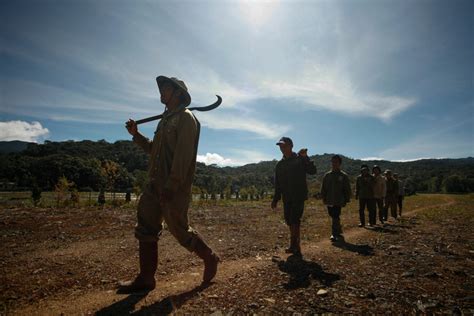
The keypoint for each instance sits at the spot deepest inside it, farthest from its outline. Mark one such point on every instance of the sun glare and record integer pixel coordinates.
(257, 12)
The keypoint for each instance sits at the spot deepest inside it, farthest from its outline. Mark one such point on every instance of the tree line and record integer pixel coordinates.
(121, 166)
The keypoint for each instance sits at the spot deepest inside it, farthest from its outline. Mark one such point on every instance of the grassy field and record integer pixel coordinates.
(69, 259)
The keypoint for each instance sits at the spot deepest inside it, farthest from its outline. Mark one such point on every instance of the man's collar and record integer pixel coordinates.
(293, 154)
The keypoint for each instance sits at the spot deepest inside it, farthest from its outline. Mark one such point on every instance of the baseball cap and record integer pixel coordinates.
(285, 140)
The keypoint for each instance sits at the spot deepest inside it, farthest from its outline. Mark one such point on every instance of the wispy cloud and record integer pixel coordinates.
(47, 101)
(233, 121)
(321, 87)
(440, 143)
(21, 130)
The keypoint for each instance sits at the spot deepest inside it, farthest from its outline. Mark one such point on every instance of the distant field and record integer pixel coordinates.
(23, 198)
(48, 198)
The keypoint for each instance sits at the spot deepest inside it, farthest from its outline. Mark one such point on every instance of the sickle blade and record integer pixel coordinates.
(201, 109)
(209, 107)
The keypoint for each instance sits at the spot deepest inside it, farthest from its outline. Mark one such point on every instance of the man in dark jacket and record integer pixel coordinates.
(391, 198)
(290, 184)
(336, 193)
(365, 194)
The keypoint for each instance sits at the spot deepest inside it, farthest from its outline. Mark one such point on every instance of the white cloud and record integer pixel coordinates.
(21, 130)
(239, 157)
(213, 158)
(371, 158)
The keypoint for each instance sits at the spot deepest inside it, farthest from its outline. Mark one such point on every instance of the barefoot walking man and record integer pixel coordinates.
(168, 193)
(290, 184)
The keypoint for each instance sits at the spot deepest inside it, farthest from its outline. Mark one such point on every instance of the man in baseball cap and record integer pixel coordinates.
(291, 186)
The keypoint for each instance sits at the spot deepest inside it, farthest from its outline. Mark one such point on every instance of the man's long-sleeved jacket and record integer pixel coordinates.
(392, 190)
(380, 187)
(365, 186)
(336, 188)
(173, 151)
(290, 178)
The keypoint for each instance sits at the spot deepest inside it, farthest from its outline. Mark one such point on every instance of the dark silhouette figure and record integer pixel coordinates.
(302, 271)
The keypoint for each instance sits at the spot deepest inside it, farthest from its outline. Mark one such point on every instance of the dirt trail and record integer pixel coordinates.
(99, 301)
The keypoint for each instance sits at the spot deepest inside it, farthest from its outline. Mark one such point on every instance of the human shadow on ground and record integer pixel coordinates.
(170, 303)
(364, 250)
(122, 307)
(302, 271)
(384, 229)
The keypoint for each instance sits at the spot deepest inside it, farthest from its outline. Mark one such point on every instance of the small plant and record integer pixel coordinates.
(36, 194)
(61, 190)
(74, 197)
(101, 197)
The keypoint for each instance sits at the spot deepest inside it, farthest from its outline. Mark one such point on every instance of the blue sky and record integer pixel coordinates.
(385, 79)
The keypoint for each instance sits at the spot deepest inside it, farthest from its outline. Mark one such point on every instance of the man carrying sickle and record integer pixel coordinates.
(168, 193)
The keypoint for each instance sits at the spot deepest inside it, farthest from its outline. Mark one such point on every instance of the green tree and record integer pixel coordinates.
(110, 173)
(61, 190)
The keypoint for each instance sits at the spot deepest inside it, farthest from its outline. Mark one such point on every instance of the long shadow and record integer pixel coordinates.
(302, 271)
(384, 229)
(170, 303)
(364, 250)
(122, 307)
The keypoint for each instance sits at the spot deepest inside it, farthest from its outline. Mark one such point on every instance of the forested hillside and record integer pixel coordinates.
(121, 166)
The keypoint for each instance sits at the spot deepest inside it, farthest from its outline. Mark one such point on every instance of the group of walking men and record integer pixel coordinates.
(373, 190)
(171, 169)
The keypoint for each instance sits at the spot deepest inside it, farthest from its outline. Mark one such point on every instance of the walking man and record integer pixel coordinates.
(401, 193)
(168, 193)
(365, 194)
(336, 193)
(379, 192)
(291, 186)
(391, 198)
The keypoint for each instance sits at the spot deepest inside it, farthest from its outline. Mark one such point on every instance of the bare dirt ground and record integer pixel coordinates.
(68, 261)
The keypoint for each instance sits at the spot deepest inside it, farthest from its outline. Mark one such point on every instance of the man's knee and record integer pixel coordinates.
(146, 235)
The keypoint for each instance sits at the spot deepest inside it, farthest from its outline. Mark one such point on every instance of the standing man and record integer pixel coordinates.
(401, 193)
(336, 193)
(391, 198)
(290, 184)
(379, 192)
(168, 194)
(365, 194)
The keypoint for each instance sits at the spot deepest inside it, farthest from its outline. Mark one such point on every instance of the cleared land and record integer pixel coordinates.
(69, 260)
